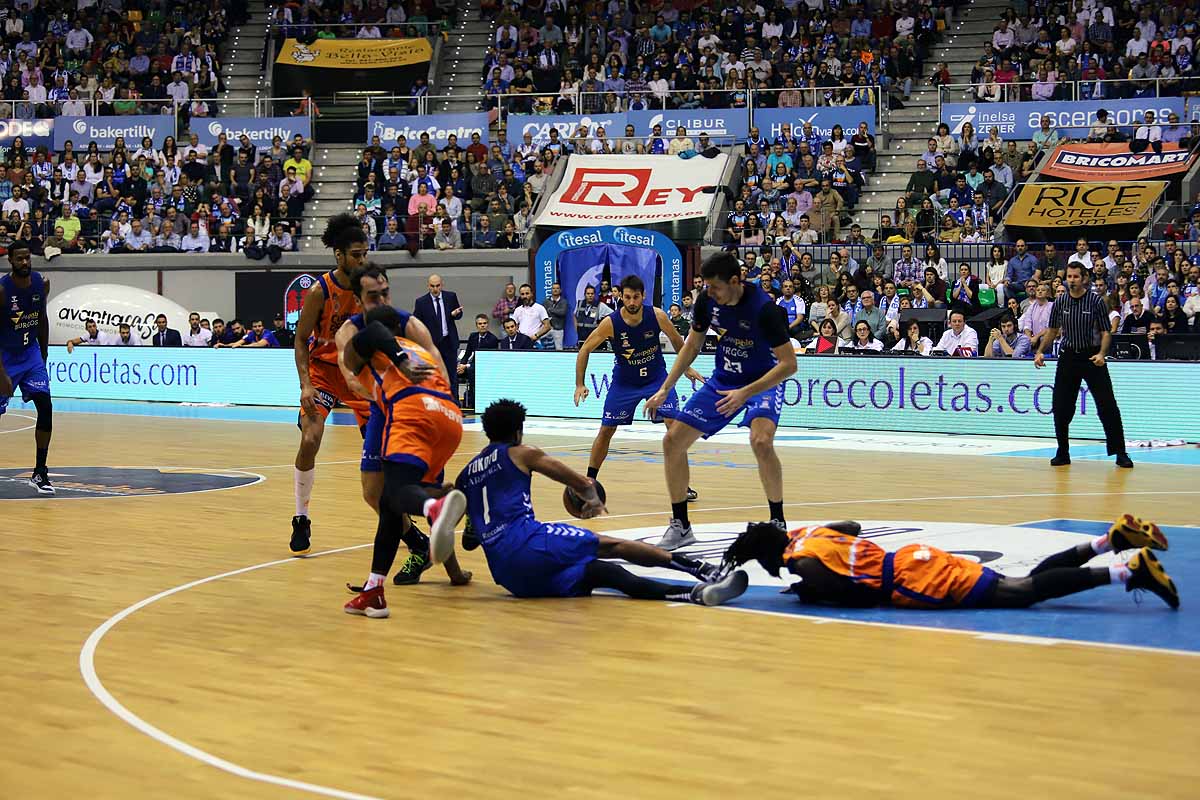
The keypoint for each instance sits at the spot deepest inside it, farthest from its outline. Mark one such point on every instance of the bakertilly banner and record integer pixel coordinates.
(1070, 205)
(331, 65)
(1085, 161)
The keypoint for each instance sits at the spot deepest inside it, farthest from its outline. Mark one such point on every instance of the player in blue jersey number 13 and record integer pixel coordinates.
(754, 357)
(639, 368)
(24, 333)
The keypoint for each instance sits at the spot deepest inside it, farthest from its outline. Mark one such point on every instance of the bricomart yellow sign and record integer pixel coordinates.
(1066, 205)
(354, 53)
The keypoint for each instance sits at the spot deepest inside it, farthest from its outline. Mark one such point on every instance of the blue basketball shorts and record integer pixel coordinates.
(701, 409)
(541, 559)
(29, 375)
(622, 401)
(372, 440)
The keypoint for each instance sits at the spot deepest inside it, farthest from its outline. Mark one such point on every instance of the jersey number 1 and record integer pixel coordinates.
(487, 512)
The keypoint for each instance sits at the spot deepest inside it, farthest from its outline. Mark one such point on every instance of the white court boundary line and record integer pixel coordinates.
(22, 416)
(87, 655)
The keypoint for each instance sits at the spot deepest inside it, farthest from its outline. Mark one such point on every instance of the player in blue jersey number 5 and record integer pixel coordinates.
(754, 357)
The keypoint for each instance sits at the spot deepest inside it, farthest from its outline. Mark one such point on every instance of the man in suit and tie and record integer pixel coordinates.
(438, 310)
(164, 336)
(513, 338)
(480, 339)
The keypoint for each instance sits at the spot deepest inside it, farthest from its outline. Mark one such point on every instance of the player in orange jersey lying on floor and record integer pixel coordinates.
(838, 567)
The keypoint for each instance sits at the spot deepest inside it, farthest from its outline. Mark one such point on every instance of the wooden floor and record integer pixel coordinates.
(467, 693)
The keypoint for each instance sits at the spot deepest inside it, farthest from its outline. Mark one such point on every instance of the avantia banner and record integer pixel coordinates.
(1067, 205)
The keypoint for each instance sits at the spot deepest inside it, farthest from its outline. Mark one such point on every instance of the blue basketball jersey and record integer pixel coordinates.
(746, 334)
(638, 357)
(22, 313)
(359, 321)
(497, 492)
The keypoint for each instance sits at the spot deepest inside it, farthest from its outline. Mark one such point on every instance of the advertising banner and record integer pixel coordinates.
(175, 374)
(260, 130)
(1069, 205)
(716, 122)
(1022, 120)
(1085, 161)
(632, 190)
(578, 258)
(34, 132)
(971, 396)
(438, 126)
(110, 304)
(770, 120)
(106, 130)
(538, 127)
(354, 53)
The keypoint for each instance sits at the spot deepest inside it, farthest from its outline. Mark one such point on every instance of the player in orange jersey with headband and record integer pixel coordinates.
(837, 567)
(328, 304)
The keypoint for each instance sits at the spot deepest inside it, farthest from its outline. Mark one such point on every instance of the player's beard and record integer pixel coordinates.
(23, 271)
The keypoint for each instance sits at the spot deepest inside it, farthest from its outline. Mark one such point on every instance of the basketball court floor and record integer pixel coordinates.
(159, 642)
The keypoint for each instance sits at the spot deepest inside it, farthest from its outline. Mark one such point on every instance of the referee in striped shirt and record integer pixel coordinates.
(1082, 318)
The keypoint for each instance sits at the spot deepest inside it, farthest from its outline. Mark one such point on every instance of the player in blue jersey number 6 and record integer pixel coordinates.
(754, 357)
(639, 368)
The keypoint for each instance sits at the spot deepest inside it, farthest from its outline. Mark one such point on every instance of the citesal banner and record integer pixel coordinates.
(1069, 205)
(633, 190)
(354, 53)
(1085, 161)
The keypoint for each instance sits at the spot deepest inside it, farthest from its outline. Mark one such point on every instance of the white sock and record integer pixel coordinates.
(374, 581)
(1118, 573)
(1101, 544)
(428, 505)
(304, 480)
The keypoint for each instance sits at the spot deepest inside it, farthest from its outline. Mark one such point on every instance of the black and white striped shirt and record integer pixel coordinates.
(1081, 320)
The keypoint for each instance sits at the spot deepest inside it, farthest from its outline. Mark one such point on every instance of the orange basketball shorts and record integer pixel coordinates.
(422, 429)
(925, 577)
(331, 388)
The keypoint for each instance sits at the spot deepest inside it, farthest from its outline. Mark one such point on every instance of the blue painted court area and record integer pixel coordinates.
(1107, 615)
(1180, 456)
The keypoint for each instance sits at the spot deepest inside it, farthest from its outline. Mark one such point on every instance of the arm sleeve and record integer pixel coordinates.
(376, 338)
(702, 314)
(819, 584)
(773, 321)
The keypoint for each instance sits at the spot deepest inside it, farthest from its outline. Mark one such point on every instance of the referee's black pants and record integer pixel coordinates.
(1075, 367)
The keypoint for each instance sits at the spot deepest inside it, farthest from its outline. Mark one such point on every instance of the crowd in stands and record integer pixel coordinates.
(117, 57)
(630, 54)
(145, 198)
(376, 19)
(1110, 50)
(201, 332)
(1142, 285)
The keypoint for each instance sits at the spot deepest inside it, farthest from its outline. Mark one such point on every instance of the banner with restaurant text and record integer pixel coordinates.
(1081, 205)
(329, 66)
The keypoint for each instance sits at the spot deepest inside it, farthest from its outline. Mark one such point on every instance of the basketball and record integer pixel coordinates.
(574, 505)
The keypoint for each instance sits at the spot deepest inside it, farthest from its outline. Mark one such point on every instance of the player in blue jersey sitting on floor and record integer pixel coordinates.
(754, 357)
(545, 559)
(24, 334)
(638, 365)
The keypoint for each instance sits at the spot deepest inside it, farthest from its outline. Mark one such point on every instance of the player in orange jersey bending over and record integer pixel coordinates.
(837, 567)
(424, 428)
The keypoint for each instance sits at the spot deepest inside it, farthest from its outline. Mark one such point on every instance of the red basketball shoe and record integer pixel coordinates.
(370, 603)
(444, 515)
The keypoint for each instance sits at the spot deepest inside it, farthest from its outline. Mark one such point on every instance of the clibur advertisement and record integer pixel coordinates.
(438, 126)
(971, 396)
(718, 123)
(1022, 120)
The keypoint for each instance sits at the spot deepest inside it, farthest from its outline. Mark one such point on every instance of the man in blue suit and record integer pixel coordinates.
(439, 310)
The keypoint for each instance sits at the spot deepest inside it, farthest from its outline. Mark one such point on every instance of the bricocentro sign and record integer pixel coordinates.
(1066, 205)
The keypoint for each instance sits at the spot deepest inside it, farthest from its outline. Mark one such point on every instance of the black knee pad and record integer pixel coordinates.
(45, 412)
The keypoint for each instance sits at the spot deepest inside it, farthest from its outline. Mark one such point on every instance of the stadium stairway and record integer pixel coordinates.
(334, 173)
(241, 59)
(459, 76)
(908, 129)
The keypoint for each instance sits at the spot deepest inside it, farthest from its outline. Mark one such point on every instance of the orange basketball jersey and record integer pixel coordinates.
(915, 576)
(340, 304)
(423, 424)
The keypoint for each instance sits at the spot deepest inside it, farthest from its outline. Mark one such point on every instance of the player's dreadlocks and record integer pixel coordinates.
(763, 542)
